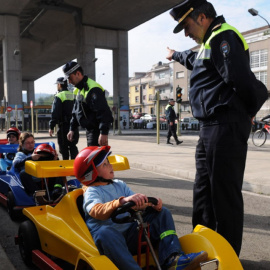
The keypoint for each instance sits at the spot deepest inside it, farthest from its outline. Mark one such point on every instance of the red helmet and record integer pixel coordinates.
(86, 162)
(46, 150)
(14, 131)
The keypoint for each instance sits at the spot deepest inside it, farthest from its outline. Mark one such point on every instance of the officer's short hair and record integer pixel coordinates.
(207, 9)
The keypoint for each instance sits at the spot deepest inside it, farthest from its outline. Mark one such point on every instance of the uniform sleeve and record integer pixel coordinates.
(97, 103)
(232, 63)
(186, 58)
(171, 114)
(56, 112)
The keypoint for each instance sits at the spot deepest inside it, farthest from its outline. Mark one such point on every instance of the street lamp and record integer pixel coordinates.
(254, 12)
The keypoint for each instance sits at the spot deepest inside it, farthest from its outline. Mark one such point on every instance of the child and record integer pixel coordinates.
(13, 135)
(26, 152)
(119, 241)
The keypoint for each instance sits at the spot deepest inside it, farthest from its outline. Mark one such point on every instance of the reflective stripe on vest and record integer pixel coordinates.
(65, 95)
(167, 107)
(205, 50)
(91, 84)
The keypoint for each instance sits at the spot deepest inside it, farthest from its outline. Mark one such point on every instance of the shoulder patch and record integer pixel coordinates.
(94, 96)
(225, 48)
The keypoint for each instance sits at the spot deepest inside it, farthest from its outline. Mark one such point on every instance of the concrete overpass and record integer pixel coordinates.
(38, 36)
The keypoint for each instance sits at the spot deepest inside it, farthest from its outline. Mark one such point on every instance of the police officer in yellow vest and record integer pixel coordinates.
(224, 95)
(91, 110)
(61, 114)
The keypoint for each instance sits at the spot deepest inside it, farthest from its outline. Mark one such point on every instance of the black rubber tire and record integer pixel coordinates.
(259, 137)
(28, 240)
(10, 205)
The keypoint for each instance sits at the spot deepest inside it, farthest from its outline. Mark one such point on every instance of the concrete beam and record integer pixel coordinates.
(12, 60)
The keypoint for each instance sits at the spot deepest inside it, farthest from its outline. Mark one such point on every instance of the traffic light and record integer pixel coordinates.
(178, 94)
(120, 101)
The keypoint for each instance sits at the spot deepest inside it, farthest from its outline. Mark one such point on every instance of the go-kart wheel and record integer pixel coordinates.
(127, 207)
(10, 205)
(28, 240)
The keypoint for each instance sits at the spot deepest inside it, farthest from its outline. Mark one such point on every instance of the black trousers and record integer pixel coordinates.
(172, 132)
(92, 137)
(220, 163)
(67, 148)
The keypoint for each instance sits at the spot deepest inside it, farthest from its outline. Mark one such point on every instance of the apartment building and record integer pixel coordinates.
(163, 78)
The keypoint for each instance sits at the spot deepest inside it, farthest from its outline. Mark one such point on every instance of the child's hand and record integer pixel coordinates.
(139, 199)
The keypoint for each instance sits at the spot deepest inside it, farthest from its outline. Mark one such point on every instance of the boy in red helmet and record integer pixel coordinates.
(13, 135)
(119, 241)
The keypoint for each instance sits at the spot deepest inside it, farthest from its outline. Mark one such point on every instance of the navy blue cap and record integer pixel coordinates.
(69, 68)
(181, 11)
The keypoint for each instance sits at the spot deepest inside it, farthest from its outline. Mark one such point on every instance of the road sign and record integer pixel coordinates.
(9, 109)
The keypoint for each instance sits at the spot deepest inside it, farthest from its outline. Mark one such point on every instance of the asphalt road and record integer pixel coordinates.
(177, 196)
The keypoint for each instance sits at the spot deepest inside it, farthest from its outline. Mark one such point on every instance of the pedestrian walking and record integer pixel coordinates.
(224, 95)
(171, 117)
(90, 110)
(61, 115)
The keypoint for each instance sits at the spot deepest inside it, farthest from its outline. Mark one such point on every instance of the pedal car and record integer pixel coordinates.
(12, 193)
(61, 232)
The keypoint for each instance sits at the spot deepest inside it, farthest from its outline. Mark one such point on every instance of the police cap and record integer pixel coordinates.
(181, 11)
(60, 80)
(69, 68)
(171, 100)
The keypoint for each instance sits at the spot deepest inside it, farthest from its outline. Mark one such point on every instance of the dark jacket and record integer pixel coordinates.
(91, 110)
(170, 113)
(222, 86)
(62, 109)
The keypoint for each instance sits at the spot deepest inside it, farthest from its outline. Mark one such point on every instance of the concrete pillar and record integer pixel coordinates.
(86, 45)
(120, 68)
(29, 87)
(12, 60)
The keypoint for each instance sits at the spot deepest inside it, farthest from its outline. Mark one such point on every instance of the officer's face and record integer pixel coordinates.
(74, 78)
(194, 29)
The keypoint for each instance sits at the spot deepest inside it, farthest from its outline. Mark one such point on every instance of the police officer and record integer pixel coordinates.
(224, 94)
(171, 117)
(91, 110)
(61, 114)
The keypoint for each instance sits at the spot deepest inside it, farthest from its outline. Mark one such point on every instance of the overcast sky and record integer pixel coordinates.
(148, 42)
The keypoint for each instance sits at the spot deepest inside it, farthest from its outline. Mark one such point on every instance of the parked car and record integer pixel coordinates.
(149, 117)
(138, 115)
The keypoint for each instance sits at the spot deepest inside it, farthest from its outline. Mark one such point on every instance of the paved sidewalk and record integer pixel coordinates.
(179, 161)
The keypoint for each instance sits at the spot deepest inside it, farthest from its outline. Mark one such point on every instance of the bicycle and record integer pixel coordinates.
(259, 136)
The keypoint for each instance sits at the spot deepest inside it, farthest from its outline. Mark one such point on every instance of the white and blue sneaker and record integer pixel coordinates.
(188, 261)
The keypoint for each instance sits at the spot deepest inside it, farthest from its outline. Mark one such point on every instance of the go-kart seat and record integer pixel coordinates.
(79, 202)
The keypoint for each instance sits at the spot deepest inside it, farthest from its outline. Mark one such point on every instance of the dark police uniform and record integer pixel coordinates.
(222, 88)
(61, 114)
(91, 110)
(171, 116)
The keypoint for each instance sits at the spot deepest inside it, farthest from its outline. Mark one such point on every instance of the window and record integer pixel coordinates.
(161, 75)
(180, 74)
(144, 97)
(137, 99)
(262, 76)
(151, 97)
(259, 58)
(137, 89)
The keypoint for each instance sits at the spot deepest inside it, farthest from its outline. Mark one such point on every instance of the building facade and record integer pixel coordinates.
(164, 78)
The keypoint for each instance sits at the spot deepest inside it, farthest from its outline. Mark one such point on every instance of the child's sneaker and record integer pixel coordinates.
(189, 261)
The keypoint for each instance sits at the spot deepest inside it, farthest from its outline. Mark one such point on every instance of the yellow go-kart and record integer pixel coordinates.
(61, 232)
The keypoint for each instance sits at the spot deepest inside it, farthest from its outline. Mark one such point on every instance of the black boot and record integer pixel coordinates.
(178, 142)
(168, 141)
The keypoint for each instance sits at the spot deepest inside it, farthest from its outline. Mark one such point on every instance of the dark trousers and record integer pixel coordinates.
(67, 148)
(220, 164)
(92, 137)
(172, 132)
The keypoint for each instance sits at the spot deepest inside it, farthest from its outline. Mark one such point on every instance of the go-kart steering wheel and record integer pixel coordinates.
(127, 207)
